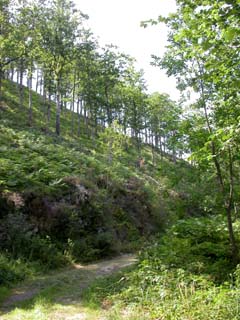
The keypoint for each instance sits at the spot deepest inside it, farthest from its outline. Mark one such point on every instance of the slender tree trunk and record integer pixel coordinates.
(95, 125)
(18, 76)
(73, 101)
(30, 111)
(48, 110)
(156, 141)
(174, 155)
(79, 110)
(227, 199)
(58, 105)
(44, 101)
(229, 208)
(153, 151)
(109, 111)
(41, 83)
(12, 73)
(1, 78)
(7, 74)
(86, 120)
(146, 134)
(21, 84)
(37, 80)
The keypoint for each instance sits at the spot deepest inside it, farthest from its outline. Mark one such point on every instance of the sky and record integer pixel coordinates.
(118, 22)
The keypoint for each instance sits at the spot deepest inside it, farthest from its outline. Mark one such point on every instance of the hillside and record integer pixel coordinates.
(73, 199)
(92, 169)
(61, 197)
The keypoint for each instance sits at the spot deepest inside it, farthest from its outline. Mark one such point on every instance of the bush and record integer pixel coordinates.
(185, 275)
(15, 234)
(12, 271)
(46, 253)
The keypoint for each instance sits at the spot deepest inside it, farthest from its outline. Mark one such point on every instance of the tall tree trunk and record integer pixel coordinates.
(1, 78)
(30, 111)
(73, 101)
(79, 110)
(229, 207)
(86, 120)
(146, 134)
(48, 110)
(160, 145)
(18, 76)
(153, 150)
(164, 144)
(108, 108)
(12, 73)
(21, 84)
(44, 101)
(156, 141)
(227, 198)
(37, 81)
(58, 105)
(41, 83)
(95, 125)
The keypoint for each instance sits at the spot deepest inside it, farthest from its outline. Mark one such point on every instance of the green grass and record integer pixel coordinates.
(59, 294)
(38, 168)
(187, 274)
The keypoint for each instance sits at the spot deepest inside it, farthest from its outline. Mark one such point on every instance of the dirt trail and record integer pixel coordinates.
(78, 275)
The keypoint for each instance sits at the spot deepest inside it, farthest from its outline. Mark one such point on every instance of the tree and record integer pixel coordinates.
(203, 53)
(134, 103)
(30, 48)
(164, 122)
(8, 40)
(60, 32)
(113, 142)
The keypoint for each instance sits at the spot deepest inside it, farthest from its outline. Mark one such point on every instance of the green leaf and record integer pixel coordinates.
(12, 183)
(230, 34)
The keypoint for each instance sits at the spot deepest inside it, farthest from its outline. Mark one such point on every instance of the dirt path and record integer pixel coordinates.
(66, 286)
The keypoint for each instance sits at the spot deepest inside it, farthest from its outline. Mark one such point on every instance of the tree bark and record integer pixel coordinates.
(227, 199)
(73, 101)
(21, 84)
(229, 207)
(30, 111)
(48, 110)
(58, 105)
(79, 111)
(1, 78)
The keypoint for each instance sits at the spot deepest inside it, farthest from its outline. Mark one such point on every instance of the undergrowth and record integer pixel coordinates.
(72, 198)
(186, 274)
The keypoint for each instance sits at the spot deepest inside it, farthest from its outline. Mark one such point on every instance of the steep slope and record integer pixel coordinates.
(71, 197)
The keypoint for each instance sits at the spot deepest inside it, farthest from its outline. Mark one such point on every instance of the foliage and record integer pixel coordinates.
(183, 275)
(61, 200)
(90, 191)
(113, 142)
(203, 54)
(15, 270)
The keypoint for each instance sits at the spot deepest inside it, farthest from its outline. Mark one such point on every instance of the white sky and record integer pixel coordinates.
(118, 22)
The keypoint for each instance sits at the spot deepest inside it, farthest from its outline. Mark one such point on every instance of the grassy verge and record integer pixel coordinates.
(58, 294)
(186, 275)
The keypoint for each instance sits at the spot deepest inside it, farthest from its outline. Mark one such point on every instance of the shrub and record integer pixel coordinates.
(46, 253)
(12, 271)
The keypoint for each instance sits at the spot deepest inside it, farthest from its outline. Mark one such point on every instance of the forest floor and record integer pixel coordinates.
(58, 295)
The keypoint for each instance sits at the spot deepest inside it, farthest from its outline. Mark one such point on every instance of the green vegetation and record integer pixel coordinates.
(72, 198)
(91, 166)
(186, 274)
